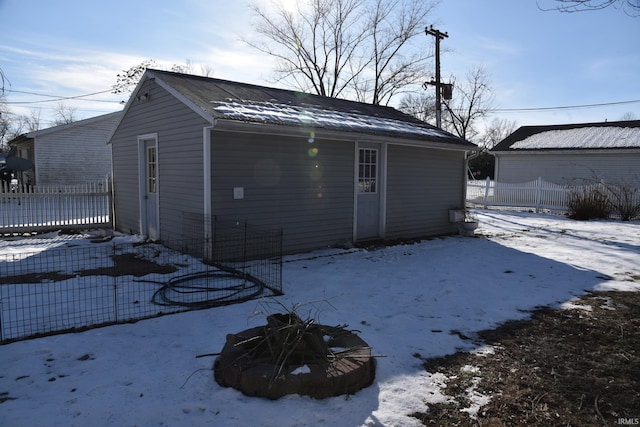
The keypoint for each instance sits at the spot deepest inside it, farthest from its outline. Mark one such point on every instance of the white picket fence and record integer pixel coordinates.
(538, 194)
(44, 208)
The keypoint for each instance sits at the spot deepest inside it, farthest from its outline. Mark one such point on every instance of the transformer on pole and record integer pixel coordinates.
(445, 89)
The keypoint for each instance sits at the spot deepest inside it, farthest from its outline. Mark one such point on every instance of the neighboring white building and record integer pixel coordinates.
(68, 154)
(571, 153)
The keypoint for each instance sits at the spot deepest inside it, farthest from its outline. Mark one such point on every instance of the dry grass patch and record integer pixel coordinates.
(577, 366)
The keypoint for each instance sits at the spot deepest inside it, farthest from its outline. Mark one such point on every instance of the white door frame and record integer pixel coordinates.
(142, 183)
(381, 184)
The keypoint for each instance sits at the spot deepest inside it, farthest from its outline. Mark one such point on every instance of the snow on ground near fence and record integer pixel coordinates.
(408, 302)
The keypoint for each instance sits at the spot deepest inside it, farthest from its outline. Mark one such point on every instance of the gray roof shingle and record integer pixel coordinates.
(223, 99)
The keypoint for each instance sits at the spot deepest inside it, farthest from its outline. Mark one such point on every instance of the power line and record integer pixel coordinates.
(564, 107)
(497, 110)
(56, 98)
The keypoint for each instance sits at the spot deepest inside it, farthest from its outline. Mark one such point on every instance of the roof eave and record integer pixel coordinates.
(231, 125)
(613, 150)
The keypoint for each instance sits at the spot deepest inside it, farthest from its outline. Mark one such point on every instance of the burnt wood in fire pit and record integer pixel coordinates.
(292, 356)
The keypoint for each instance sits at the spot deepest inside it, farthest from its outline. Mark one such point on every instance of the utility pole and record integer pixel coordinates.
(430, 31)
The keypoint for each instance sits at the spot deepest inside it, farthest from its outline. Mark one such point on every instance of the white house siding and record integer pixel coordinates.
(422, 185)
(308, 194)
(180, 162)
(74, 153)
(568, 167)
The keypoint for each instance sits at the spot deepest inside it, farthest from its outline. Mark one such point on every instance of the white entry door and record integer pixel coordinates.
(148, 147)
(369, 189)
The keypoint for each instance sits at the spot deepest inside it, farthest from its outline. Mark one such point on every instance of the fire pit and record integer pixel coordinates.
(292, 356)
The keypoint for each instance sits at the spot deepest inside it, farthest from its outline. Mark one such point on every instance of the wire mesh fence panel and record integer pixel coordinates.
(238, 246)
(55, 289)
(254, 251)
(29, 310)
(69, 284)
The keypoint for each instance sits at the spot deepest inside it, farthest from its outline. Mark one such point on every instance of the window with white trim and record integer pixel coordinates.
(367, 170)
(151, 170)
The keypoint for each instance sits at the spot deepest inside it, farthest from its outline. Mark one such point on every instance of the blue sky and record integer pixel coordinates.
(534, 58)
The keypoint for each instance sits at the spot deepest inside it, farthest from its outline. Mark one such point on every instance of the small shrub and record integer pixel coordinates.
(625, 200)
(589, 203)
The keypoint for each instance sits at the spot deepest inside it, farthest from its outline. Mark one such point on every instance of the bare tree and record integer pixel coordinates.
(189, 68)
(497, 130)
(346, 48)
(393, 25)
(630, 7)
(13, 125)
(127, 80)
(4, 131)
(64, 114)
(186, 68)
(206, 70)
(20, 124)
(482, 164)
(420, 106)
(314, 44)
(33, 121)
(472, 100)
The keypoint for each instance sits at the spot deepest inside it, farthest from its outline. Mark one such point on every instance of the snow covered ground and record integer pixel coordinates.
(409, 302)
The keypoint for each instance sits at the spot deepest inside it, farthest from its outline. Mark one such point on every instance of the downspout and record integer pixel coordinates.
(468, 155)
(112, 192)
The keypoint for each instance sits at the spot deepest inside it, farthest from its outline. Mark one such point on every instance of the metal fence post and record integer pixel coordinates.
(115, 283)
(280, 237)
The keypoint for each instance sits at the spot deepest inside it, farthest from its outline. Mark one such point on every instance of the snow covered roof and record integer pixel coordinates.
(269, 112)
(588, 136)
(245, 103)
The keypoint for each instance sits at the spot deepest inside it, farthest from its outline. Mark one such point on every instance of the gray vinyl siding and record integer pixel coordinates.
(568, 168)
(422, 185)
(180, 161)
(75, 154)
(309, 197)
(124, 152)
(306, 189)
